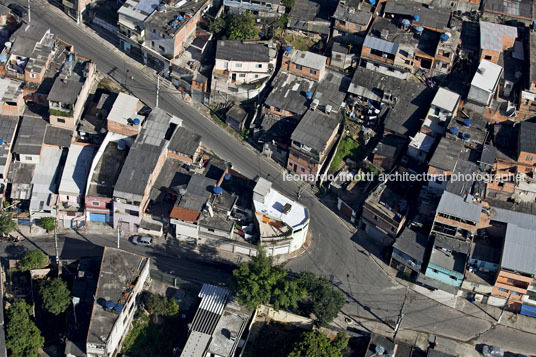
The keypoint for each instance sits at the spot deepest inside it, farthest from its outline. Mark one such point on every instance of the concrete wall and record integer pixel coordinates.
(444, 275)
(285, 317)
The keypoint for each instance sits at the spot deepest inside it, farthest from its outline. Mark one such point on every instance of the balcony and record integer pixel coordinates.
(248, 6)
(61, 112)
(379, 58)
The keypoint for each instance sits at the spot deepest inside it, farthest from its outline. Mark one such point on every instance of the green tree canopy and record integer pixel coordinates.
(23, 338)
(7, 224)
(325, 301)
(48, 223)
(258, 282)
(234, 27)
(33, 259)
(55, 295)
(161, 306)
(316, 344)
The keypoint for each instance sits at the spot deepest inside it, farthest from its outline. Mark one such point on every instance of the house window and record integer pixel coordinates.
(152, 43)
(312, 71)
(95, 203)
(487, 57)
(256, 76)
(452, 277)
(298, 67)
(33, 75)
(528, 157)
(238, 65)
(61, 120)
(161, 48)
(438, 171)
(515, 293)
(503, 290)
(242, 75)
(28, 158)
(376, 218)
(210, 230)
(259, 65)
(356, 26)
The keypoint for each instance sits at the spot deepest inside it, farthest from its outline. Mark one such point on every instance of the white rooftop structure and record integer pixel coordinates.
(125, 110)
(43, 180)
(445, 99)
(422, 142)
(10, 90)
(138, 9)
(274, 205)
(487, 75)
(308, 59)
(76, 169)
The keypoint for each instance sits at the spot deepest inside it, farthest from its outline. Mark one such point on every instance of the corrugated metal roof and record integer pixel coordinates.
(519, 249)
(196, 345)
(213, 300)
(456, 206)
(491, 35)
(380, 45)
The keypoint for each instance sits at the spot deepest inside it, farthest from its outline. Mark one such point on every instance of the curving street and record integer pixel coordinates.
(335, 252)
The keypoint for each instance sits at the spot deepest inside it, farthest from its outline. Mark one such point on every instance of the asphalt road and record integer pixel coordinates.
(334, 252)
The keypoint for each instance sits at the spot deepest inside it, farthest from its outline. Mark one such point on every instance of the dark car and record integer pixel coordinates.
(18, 10)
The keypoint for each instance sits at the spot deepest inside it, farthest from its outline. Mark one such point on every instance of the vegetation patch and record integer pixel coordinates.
(147, 338)
(348, 148)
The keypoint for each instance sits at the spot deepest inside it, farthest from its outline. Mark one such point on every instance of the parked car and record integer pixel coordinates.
(18, 10)
(492, 351)
(145, 241)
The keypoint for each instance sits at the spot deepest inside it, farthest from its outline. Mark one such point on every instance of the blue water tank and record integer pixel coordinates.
(419, 29)
(136, 121)
(118, 307)
(453, 130)
(467, 122)
(288, 48)
(217, 190)
(406, 22)
(372, 2)
(121, 144)
(444, 37)
(227, 177)
(70, 58)
(180, 18)
(309, 95)
(416, 17)
(1, 141)
(466, 136)
(109, 304)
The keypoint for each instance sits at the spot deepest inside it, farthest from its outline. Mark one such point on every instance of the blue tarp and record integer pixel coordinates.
(528, 310)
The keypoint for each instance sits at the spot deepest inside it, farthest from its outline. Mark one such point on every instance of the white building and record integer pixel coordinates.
(121, 280)
(45, 184)
(485, 83)
(442, 110)
(282, 223)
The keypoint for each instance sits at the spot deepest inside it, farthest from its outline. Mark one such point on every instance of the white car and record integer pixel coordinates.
(145, 241)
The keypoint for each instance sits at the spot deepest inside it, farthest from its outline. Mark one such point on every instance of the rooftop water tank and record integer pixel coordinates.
(444, 37)
(453, 130)
(217, 190)
(8, 44)
(416, 17)
(121, 144)
(136, 121)
(118, 307)
(406, 22)
(1, 141)
(288, 48)
(372, 2)
(309, 95)
(467, 122)
(466, 136)
(419, 29)
(227, 177)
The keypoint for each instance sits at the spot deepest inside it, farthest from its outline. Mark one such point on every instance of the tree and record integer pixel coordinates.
(161, 306)
(241, 27)
(341, 341)
(288, 4)
(7, 224)
(23, 338)
(55, 295)
(325, 302)
(258, 282)
(33, 259)
(316, 344)
(48, 223)
(218, 25)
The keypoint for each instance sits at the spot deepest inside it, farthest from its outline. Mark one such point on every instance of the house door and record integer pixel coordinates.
(233, 77)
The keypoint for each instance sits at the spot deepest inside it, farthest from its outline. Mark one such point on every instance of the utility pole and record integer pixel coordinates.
(118, 233)
(56, 247)
(157, 88)
(504, 307)
(400, 316)
(29, 12)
